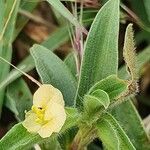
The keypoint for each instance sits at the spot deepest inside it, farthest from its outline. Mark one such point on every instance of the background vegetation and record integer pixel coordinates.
(60, 29)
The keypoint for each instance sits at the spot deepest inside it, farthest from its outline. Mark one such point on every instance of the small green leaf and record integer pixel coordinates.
(112, 85)
(96, 100)
(70, 127)
(101, 49)
(52, 70)
(112, 135)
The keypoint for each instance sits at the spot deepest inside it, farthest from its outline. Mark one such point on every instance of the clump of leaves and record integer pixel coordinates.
(94, 98)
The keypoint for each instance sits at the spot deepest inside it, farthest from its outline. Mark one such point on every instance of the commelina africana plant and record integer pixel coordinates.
(47, 114)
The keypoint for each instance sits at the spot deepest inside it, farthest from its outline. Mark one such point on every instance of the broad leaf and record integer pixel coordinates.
(101, 49)
(112, 135)
(52, 70)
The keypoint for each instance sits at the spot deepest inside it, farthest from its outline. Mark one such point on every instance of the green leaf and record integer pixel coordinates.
(96, 100)
(112, 135)
(52, 70)
(71, 63)
(112, 85)
(101, 50)
(18, 100)
(129, 119)
(57, 38)
(6, 35)
(19, 138)
(140, 139)
(65, 12)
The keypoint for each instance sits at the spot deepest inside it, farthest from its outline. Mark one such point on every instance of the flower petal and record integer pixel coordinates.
(46, 93)
(58, 97)
(56, 113)
(30, 122)
(46, 130)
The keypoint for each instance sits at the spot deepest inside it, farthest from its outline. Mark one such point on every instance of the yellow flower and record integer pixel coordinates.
(47, 114)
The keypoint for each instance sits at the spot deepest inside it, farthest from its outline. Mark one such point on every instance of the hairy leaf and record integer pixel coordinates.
(112, 135)
(112, 85)
(52, 70)
(101, 49)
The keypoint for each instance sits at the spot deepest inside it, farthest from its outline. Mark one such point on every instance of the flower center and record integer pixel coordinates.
(39, 111)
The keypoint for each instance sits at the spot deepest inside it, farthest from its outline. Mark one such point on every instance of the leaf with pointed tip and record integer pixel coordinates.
(101, 49)
(53, 70)
(112, 135)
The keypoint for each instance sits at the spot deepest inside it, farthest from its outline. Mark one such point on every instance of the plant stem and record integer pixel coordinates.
(84, 136)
